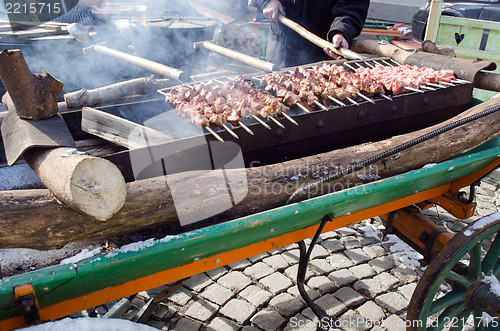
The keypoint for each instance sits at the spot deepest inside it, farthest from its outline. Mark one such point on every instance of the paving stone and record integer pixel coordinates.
(222, 324)
(294, 290)
(322, 284)
(387, 281)
(238, 310)
(394, 323)
(352, 321)
(331, 305)
(181, 297)
(330, 235)
(407, 290)
(239, 265)
(339, 261)
(456, 226)
(291, 256)
(197, 282)
(374, 251)
(258, 270)
(365, 241)
(381, 264)
(258, 257)
(187, 324)
(346, 231)
(286, 304)
(291, 272)
(202, 310)
(371, 311)
(276, 282)
(157, 324)
(319, 252)
(351, 242)
(235, 280)
(277, 262)
(308, 313)
(138, 302)
(349, 297)
(163, 311)
(255, 295)
(368, 287)
(404, 274)
(320, 267)
(362, 271)
(357, 255)
(300, 323)
(249, 328)
(217, 273)
(342, 277)
(393, 302)
(333, 245)
(217, 293)
(268, 320)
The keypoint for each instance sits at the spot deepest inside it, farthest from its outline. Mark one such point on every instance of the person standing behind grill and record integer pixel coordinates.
(338, 21)
(81, 13)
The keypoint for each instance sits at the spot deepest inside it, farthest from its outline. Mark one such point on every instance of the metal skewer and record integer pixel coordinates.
(423, 87)
(459, 81)
(231, 132)
(352, 101)
(413, 89)
(350, 66)
(246, 128)
(385, 96)
(261, 122)
(285, 115)
(435, 85)
(397, 64)
(368, 64)
(387, 63)
(304, 108)
(445, 83)
(213, 133)
(320, 105)
(276, 121)
(365, 97)
(338, 102)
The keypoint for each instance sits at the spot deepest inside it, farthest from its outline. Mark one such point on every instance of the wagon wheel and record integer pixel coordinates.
(470, 280)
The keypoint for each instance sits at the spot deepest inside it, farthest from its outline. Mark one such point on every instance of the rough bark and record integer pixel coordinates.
(45, 224)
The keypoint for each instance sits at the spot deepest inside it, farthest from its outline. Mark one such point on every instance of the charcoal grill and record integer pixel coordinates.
(323, 128)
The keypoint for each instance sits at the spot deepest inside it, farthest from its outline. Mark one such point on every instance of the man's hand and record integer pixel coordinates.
(338, 40)
(93, 4)
(272, 10)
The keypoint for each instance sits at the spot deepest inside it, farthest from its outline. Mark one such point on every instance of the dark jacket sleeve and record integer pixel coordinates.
(349, 18)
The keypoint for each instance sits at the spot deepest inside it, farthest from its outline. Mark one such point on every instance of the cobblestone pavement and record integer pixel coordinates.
(364, 282)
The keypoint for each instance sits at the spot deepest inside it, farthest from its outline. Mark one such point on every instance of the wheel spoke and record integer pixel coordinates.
(446, 316)
(461, 320)
(449, 299)
(496, 269)
(492, 256)
(459, 279)
(475, 262)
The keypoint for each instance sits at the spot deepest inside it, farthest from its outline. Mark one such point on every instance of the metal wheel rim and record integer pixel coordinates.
(437, 272)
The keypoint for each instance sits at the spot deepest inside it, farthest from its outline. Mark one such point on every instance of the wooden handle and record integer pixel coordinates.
(250, 60)
(344, 52)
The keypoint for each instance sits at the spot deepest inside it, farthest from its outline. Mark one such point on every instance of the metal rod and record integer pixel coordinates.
(212, 132)
(365, 97)
(320, 105)
(352, 101)
(276, 121)
(413, 89)
(350, 66)
(285, 115)
(397, 64)
(369, 65)
(304, 108)
(387, 63)
(338, 102)
(423, 87)
(435, 85)
(218, 81)
(261, 122)
(231, 132)
(385, 96)
(445, 83)
(457, 80)
(246, 128)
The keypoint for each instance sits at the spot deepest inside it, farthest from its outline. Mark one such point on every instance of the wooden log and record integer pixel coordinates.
(120, 131)
(44, 224)
(33, 95)
(84, 183)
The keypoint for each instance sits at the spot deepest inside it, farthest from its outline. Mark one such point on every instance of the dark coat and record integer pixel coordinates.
(324, 18)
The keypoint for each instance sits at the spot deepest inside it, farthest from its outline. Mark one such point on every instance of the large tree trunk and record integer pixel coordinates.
(31, 218)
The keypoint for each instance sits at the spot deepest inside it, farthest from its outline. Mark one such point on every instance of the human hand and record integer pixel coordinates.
(338, 40)
(93, 4)
(272, 10)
